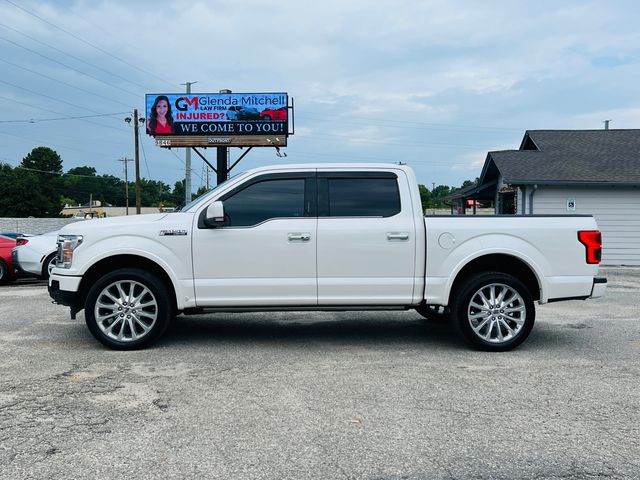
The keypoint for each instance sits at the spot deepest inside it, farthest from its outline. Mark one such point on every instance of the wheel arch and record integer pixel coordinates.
(43, 271)
(116, 262)
(501, 263)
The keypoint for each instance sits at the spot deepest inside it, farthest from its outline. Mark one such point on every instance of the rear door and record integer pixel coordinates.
(366, 238)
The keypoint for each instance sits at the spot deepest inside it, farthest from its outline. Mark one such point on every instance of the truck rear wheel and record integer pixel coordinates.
(494, 311)
(128, 309)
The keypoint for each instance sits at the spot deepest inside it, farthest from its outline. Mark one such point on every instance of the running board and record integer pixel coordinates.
(310, 308)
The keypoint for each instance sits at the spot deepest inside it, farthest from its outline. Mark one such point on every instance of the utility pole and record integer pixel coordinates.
(222, 157)
(126, 160)
(187, 161)
(136, 157)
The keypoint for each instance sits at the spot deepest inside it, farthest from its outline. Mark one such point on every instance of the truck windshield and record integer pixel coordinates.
(196, 201)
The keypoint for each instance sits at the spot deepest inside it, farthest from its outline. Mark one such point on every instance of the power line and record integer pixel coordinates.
(63, 83)
(57, 113)
(81, 107)
(68, 66)
(61, 101)
(63, 174)
(87, 43)
(37, 120)
(182, 161)
(72, 56)
(144, 155)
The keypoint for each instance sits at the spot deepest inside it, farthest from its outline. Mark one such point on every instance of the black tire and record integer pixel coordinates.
(5, 274)
(510, 322)
(131, 322)
(45, 266)
(266, 118)
(434, 313)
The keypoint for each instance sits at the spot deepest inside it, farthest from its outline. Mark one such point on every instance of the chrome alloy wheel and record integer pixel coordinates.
(126, 311)
(496, 313)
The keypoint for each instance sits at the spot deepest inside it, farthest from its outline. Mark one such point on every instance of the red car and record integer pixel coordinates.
(7, 271)
(271, 115)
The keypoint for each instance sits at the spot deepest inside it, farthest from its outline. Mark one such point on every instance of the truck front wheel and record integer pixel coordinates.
(494, 311)
(128, 309)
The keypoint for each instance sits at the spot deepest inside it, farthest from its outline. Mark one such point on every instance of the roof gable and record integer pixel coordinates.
(571, 157)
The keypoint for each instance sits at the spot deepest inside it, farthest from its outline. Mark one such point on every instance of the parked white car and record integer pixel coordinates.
(36, 255)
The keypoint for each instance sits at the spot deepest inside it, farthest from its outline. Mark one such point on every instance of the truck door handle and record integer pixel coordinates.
(397, 236)
(299, 237)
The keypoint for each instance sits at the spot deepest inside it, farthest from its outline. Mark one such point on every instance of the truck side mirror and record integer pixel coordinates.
(214, 215)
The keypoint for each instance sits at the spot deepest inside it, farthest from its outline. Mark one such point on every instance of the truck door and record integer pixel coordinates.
(265, 255)
(366, 238)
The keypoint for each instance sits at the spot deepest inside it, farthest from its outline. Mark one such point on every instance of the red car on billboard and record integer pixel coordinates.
(7, 242)
(274, 115)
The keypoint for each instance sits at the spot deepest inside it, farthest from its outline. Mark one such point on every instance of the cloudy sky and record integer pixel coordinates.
(434, 84)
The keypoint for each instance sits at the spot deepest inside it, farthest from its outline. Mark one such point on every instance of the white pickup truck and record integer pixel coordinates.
(322, 237)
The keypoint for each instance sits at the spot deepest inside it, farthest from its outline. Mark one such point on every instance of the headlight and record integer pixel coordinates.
(66, 245)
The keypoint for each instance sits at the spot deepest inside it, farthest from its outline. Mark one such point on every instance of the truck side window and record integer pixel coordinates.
(263, 200)
(363, 197)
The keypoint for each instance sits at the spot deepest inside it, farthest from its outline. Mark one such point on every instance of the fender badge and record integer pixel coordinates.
(169, 233)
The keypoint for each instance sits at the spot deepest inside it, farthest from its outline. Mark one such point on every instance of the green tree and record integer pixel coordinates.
(41, 169)
(177, 195)
(44, 159)
(82, 184)
(425, 197)
(438, 195)
(154, 192)
(82, 171)
(21, 194)
(201, 191)
(112, 189)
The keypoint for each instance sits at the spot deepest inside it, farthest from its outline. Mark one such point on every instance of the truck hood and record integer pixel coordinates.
(114, 223)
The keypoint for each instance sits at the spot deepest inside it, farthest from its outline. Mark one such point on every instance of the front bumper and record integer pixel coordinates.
(64, 291)
(61, 297)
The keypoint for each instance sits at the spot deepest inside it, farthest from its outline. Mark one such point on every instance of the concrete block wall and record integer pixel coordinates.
(33, 225)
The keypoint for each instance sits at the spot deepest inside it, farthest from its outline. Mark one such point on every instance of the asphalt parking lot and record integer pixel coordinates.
(322, 395)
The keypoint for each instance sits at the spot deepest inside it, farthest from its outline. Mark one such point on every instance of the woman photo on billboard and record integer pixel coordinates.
(161, 118)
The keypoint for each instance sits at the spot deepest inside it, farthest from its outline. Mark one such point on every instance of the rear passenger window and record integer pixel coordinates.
(363, 197)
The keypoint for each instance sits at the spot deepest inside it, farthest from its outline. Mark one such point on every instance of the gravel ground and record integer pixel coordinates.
(322, 395)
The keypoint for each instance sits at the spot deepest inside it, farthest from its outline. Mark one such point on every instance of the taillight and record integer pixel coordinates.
(21, 241)
(592, 240)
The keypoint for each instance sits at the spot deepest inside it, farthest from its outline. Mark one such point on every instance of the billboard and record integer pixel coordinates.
(210, 119)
